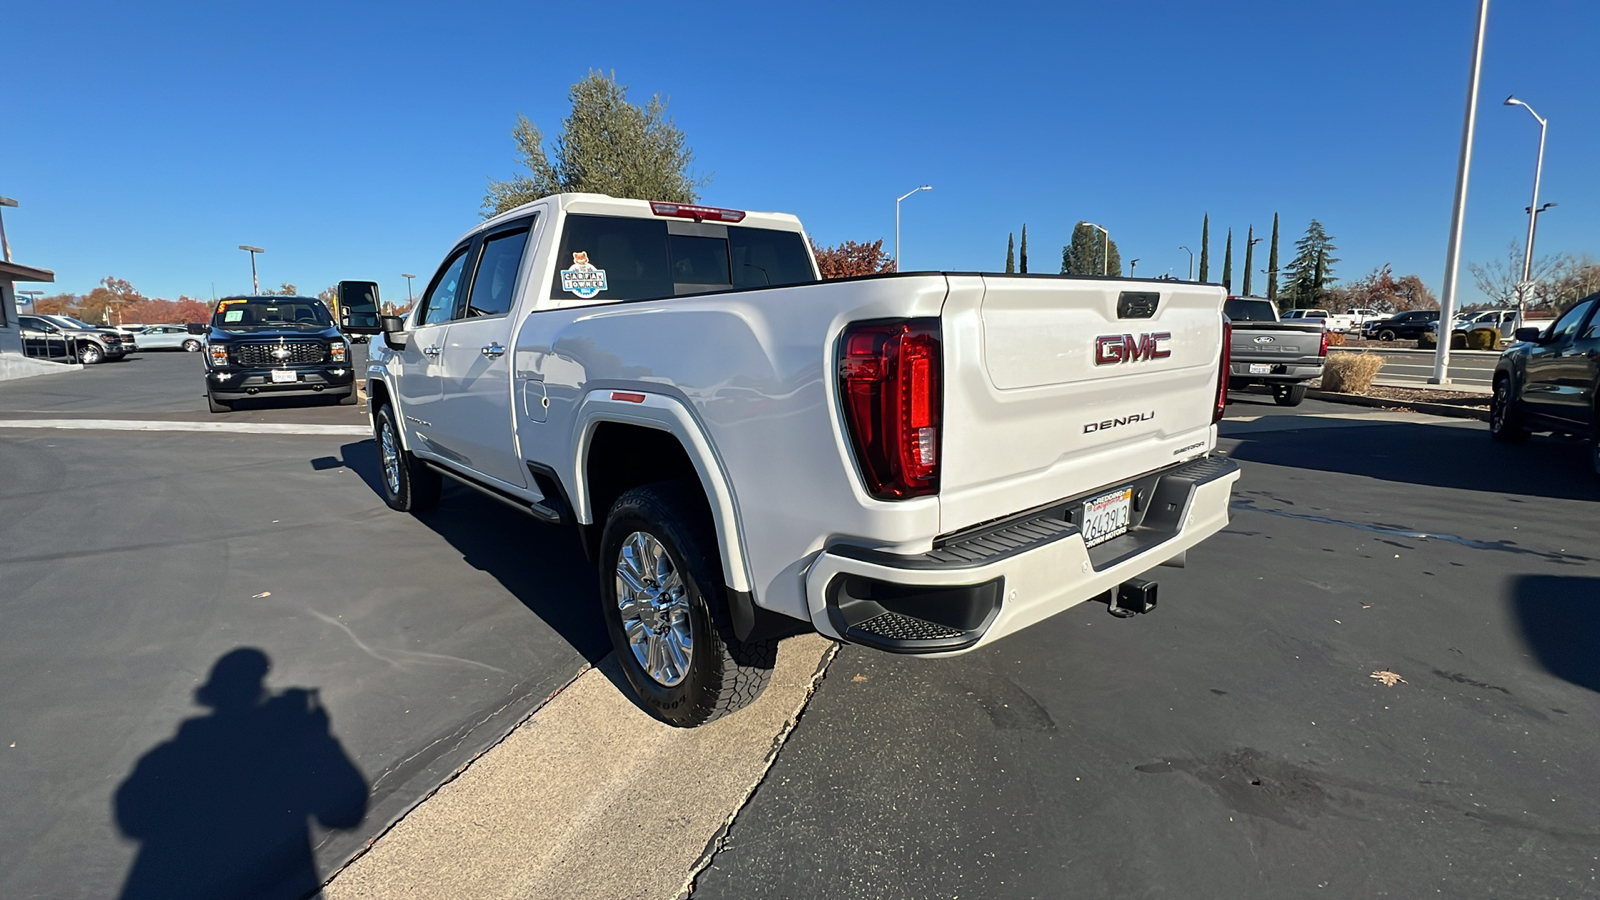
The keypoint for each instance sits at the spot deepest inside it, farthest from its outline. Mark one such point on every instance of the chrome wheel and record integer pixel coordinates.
(654, 606)
(1497, 406)
(389, 450)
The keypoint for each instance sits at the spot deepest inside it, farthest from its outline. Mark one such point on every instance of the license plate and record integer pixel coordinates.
(284, 376)
(1106, 516)
(1260, 368)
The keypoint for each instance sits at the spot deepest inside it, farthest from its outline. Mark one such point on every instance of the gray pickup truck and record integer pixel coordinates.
(1281, 355)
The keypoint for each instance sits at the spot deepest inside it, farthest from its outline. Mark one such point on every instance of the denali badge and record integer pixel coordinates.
(1121, 348)
(1092, 427)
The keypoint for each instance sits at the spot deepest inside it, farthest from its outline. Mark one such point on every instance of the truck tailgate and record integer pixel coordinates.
(1275, 340)
(1059, 386)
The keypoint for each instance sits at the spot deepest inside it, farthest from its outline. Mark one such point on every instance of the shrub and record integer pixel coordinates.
(1351, 373)
(1483, 339)
(1335, 339)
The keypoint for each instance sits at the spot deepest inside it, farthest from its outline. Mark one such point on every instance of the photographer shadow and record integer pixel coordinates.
(224, 808)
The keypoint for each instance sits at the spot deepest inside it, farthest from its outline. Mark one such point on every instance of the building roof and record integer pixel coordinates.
(10, 271)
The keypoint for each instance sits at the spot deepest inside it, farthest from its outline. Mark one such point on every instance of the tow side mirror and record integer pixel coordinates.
(1528, 335)
(393, 329)
(196, 328)
(358, 307)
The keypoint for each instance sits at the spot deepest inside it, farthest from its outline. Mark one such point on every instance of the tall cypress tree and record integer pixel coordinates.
(1205, 248)
(1227, 264)
(1249, 247)
(1011, 256)
(1272, 262)
(1023, 257)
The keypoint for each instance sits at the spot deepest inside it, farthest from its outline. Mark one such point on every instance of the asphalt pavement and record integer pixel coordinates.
(1379, 681)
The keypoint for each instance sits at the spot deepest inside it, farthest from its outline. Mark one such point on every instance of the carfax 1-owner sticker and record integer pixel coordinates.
(583, 278)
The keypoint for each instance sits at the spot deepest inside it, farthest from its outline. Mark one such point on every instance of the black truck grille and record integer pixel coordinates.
(288, 353)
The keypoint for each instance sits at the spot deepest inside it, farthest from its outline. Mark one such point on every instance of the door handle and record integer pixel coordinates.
(430, 352)
(493, 351)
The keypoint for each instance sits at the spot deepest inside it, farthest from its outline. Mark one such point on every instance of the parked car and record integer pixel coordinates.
(48, 337)
(118, 343)
(1550, 380)
(920, 463)
(1281, 354)
(1401, 326)
(274, 346)
(169, 337)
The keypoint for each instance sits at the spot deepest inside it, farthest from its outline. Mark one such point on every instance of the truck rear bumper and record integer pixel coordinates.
(969, 591)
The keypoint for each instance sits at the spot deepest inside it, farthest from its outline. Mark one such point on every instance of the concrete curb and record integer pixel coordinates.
(1432, 409)
(1356, 348)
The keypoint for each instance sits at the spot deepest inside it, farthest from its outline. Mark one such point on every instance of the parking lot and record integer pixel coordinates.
(1234, 742)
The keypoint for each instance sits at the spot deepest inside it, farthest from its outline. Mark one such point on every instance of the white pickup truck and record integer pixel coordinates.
(921, 463)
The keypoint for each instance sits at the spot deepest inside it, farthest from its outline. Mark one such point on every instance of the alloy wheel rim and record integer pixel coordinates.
(653, 603)
(1497, 408)
(391, 458)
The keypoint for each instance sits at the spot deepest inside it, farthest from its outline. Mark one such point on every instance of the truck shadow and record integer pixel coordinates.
(543, 566)
(1560, 620)
(1434, 455)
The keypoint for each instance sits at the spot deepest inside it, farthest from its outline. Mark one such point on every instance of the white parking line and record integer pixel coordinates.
(214, 427)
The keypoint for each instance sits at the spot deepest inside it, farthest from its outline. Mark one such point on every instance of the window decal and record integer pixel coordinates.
(583, 279)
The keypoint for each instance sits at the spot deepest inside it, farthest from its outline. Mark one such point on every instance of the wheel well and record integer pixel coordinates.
(378, 392)
(622, 457)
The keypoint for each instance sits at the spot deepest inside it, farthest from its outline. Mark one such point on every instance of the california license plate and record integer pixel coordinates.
(1260, 368)
(1106, 516)
(284, 376)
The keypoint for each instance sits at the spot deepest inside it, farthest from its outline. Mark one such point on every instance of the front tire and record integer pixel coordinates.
(1288, 394)
(665, 607)
(218, 406)
(1387, 335)
(1505, 420)
(408, 484)
(191, 346)
(90, 354)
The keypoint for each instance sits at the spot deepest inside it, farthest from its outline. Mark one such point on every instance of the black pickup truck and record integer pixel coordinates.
(1281, 355)
(274, 347)
(1550, 380)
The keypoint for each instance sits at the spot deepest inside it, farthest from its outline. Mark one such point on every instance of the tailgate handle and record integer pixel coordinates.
(1137, 304)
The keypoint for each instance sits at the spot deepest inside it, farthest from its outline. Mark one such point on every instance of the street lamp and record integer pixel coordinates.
(1249, 254)
(407, 276)
(1533, 216)
(1132, 264)
(1105, 254)
(5, 246)
(255, 286)
(926, 187)
(1191, 261)
(1458, 209)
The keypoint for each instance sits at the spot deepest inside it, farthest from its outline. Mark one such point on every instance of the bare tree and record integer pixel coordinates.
(1498, 278)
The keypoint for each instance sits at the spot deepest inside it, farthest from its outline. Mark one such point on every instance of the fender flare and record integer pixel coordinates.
(667, 413)
(377, 376)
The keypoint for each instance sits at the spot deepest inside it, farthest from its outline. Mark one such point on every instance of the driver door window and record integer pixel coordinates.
(438, 304)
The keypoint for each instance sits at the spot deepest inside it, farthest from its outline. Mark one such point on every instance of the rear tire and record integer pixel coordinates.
(1506, 424)
(661, 587)
(408, 484)
(218, 406)
(1288, 394)
(191, 346)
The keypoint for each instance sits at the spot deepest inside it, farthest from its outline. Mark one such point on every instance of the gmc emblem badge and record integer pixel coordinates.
(1110, 349)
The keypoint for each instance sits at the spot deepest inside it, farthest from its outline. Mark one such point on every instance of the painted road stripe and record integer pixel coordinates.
(215, 427)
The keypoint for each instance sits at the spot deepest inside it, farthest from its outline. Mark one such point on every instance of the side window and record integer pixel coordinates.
(495, 282)
(1568, 324)
(767, 258)
(612, 258)
(438, 304)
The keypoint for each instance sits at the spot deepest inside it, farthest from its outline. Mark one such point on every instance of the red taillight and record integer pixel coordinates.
(1323, 350)
(697, 213)
(1222, 370)
(889, 388)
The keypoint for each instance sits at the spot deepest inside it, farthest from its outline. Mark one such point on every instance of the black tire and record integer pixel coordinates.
(90, 354)
(1288, 394)
(410, 486)
(191, 346)
(723, 674)
(1387, 334)
(218, 406)
(348, 399)
(1506, 423)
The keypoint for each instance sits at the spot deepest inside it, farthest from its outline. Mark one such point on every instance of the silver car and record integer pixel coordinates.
(168, 337)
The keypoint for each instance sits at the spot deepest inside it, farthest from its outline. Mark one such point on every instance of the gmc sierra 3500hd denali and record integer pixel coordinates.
(921, 463)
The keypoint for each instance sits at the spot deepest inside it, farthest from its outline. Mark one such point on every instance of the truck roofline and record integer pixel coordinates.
(607, 205)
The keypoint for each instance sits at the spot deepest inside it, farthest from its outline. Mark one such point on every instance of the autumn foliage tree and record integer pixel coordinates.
(1381, 291)
(850, 259)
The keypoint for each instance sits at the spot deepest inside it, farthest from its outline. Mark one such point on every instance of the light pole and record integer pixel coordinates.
(1249, 254)
(1533, 216)
(1191, 260)
(255, 286)
(1105, 253)
(5, 246)
(1458, 212)
(926, 187)
(1132, 265)
(408, 276)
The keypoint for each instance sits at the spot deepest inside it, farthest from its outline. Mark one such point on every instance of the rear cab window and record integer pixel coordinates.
(618, 258)
(1249, 310)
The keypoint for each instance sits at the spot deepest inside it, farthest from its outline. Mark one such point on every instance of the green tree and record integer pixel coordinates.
(1022, 257)
(1308, 275)
(606, 145)
(1227, 264)
(1272, 262)
(1090, 253)
(1249, 255)
(1011, 256)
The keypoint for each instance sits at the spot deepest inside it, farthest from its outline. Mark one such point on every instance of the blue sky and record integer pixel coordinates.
(355, 140)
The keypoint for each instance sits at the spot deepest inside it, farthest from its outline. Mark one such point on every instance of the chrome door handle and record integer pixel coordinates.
(430, 352)
(493, 351)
